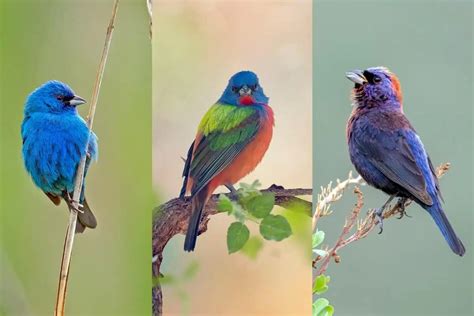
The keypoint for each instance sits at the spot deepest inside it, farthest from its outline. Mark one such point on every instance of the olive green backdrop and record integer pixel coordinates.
(409, 269)
(110, 272)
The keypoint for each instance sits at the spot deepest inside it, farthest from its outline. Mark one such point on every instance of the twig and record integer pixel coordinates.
(345, 230)
(171, 218)
(367, 224)
(329, 195)
(71, 228)
(149, 6)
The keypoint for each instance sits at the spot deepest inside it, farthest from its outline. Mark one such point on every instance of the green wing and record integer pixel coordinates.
(218, 148)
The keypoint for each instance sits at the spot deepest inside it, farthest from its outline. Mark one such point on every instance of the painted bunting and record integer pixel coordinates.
(231, 140)
(386, 150)
(55, 138)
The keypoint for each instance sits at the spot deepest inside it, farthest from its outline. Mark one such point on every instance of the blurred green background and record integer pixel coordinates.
(110, 272)
(409, 269)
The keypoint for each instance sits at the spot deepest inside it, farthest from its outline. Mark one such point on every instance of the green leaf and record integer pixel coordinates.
(239, 213)
(250, 187)
(275, 227)
(322, 308)
(320, 252)
(318, 238)
(252, 247)
(261, 205)
(319, 305)
(321, 284)
(237, 236)
(191, 270)
(224, 204)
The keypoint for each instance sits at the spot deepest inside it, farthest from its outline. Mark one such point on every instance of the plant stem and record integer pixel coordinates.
(71, 228)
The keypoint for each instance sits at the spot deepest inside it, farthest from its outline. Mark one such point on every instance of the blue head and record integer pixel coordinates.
(244, 89)
(52, 97)
(374, 87)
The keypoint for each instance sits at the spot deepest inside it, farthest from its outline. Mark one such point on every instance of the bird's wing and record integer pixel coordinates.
(400, 156)
(218, 148)
(185, 174)
(54, 198)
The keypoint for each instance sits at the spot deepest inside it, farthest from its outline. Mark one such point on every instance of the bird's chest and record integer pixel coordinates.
(251, 156)
(55, 129)
(361, 132)
(52, 149)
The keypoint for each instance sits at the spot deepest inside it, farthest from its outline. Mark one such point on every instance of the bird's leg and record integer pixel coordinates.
(401, 207)
(233, 191)
(379, 212)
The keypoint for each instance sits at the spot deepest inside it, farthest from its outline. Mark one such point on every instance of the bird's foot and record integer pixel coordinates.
(234, 194)
(378, 213)
(401, 208)
(73, 204)
(78, 207)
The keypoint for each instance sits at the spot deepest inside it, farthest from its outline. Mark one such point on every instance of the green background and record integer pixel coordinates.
(409, 269)
(110, 272)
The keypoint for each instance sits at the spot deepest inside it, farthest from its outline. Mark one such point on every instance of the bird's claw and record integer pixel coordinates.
(403, 213)
(401, 209)
(78, 207)
(379, 216)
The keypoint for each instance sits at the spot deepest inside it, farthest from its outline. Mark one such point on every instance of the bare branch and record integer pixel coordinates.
(330, 195)
(71, 228)
(171, 218)
(367, 224)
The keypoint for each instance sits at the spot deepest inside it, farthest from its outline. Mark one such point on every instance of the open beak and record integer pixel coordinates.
(77, 100)
(356, 76)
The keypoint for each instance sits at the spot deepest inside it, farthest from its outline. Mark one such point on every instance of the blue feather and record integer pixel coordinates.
(55, 138)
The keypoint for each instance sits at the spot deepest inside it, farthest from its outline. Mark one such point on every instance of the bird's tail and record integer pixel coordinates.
(446, 229)
(86, 218)
(198, 203)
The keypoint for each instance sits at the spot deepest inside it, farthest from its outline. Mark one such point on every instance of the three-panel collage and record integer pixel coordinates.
(236, 157)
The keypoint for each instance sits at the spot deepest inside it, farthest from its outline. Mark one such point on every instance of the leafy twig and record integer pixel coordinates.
(171, 218)
(71, 228)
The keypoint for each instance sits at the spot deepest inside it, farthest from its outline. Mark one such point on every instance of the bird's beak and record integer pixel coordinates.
(77, 100)
(356, 76)
(245, 91)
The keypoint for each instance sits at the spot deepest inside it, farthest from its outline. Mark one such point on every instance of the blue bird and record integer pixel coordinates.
(55, 138)
(386, 150)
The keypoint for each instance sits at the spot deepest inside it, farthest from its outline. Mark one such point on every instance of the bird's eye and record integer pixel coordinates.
(377, 79)
(235, 89)
(60, 97)
(255, 87)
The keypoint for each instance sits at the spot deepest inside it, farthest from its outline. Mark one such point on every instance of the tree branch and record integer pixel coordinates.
(171, 218)
(367, 224)
(71, 228)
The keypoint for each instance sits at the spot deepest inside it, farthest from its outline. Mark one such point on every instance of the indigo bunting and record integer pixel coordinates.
(231, 140)
(55, 138)
(386, 150)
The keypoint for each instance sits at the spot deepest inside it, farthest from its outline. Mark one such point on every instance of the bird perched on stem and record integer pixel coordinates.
(232, 139)
(55, 138)
(387, 152)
